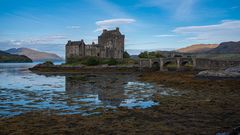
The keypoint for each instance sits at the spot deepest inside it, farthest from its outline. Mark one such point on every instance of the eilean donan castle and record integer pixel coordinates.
(110, 45)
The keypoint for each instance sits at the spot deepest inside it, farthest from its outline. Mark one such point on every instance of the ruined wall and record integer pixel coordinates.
(215, 64)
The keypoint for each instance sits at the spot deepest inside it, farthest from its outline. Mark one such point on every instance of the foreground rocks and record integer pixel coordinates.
(220, 74)
(233, 72)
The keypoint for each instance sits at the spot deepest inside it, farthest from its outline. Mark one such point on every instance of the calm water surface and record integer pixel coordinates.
(23, 91)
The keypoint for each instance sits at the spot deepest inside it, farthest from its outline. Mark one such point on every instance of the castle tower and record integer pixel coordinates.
(113, 43)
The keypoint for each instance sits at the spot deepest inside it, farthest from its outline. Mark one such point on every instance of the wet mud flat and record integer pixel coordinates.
(204, 107)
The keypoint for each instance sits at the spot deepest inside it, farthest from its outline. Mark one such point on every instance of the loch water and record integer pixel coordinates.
(23, 91)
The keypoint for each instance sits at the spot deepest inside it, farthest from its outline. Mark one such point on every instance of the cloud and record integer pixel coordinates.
(73, 27)
(47, 39)
(40, 40)
(164, 35)
(115, 22)
(226, 30)
(179, 9)
(106, 24)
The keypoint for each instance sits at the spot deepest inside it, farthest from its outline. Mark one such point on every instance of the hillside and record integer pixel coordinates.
(226, 48)
(35, 55)
(198, 48)
(12, 58)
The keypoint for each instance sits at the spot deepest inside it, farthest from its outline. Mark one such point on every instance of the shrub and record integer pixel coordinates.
(112, 62)
(147, 54)
(48, 63)
(91, 61)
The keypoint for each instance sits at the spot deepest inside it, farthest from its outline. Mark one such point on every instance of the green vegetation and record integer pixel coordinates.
(93, 61)
(147, 54)
(126, 54)
(48, 63)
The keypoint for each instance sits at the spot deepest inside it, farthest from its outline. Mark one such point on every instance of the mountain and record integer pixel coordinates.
(198, 48)
(227, 48)
(35, 55)
(13, 58)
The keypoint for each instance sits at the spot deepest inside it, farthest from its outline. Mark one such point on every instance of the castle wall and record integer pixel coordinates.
(72, 51)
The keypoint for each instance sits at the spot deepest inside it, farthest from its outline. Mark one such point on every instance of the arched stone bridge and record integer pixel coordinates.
(161, 63)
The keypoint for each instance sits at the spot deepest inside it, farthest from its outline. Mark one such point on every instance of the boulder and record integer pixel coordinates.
(233, 69)
(220, 74)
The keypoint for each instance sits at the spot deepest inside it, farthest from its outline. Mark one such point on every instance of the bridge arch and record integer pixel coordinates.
(184, 63)
(155, 66)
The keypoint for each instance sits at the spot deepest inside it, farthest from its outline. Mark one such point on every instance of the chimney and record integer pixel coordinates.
(104, 30)
(117, 29)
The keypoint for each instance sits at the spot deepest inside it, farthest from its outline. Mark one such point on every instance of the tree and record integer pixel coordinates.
(126, 54)
(143, 54)
(147, 54)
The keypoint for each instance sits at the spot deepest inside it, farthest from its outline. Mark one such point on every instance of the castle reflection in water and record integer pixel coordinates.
(109, 90)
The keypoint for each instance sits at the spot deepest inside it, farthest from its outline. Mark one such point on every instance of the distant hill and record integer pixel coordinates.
(13, 58)
(227, 48)
(198, 48)
(35, 55)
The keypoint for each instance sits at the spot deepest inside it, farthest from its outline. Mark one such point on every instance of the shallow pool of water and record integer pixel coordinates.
(23, 91)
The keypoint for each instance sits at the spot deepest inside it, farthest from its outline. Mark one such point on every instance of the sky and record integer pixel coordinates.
(47, 25)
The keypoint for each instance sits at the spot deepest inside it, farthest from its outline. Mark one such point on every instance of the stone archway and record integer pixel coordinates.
(184, 63)
(155, 66)
(168, 65)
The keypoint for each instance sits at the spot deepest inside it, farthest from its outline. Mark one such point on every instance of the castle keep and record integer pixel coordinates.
(110, 45)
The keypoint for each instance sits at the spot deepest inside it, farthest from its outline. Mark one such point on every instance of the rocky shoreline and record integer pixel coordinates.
(206, 107)
(49, 68)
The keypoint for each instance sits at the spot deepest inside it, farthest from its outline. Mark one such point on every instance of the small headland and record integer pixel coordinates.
(90, 65)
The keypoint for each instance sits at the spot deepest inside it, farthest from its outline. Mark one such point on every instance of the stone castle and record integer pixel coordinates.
(110, 45)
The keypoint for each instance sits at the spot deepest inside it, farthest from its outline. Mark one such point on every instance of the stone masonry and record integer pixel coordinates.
(110, 45)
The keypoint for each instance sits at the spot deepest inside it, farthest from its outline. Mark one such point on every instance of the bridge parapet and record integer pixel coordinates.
(161, 63)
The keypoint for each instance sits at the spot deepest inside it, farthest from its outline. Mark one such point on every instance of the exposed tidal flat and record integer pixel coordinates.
(117, 103)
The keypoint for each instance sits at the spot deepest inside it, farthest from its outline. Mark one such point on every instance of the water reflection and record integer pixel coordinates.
(22, 91)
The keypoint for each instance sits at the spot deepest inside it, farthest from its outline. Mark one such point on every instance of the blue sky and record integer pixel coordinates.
(47, 25)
